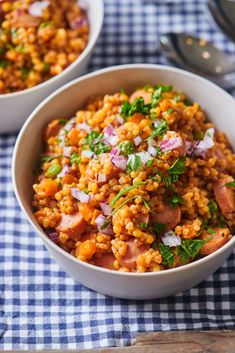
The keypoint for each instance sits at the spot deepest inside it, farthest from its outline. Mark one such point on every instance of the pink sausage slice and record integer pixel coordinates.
(169, 216)
(224, 195)
(221, 237)
(71, 224)
(105, 261)
(133, 251)
(147, 96)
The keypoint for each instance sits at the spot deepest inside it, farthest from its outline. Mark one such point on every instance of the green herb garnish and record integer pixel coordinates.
(211, 231)
(178, 167)
(75, 159)
(198, 135)
(49, 158)
(149, 163)
(231, 184)
(173, 199)
(159, 130)
(94, 141)
(213, 209)
(125, 190)
(126, 147)
(63, 121)
(158, 228)
(138, 106)
(167, 256)
(170, 111)
(24, 72)
(190, 248)
(134, 163)
(142, 226)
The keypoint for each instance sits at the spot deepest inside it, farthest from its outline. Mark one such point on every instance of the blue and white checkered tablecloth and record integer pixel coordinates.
(40, 306)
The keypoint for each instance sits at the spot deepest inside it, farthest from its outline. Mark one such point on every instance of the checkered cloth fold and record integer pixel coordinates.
(40, 306)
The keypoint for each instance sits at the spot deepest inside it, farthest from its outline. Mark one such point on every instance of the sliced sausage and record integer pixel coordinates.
(52, 129)
(133, 251)
(224, 195)
(221, 237)
(105, 261)
(169, 216)
(71, 224)
(147, 96)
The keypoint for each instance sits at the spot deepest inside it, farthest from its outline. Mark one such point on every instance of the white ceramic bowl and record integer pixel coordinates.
(219, 107)
(16, 107)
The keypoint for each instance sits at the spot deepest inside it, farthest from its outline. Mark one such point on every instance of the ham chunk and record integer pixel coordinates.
(147, 96)
(169, 216)
(219, 238)
(134, 250)
(71, 224)
(224, 195)
(105, 261)
(52, 129)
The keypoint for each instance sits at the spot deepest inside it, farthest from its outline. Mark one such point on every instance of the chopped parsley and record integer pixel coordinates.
(170, 111)
(14, 32)
(46, 67)
(213, 209)
(167, 255)
(190, 248)
(49, 158)
(24, 72)
(211, 231)
(173, 199)
(138, 106)
(75, 159)
(126, 147)
(3, 63)
(94, 141)
(134, 163)
(149, 163)
(178, 167)
(142, 226)
(158, 228)
(166, 88)
(63, 121)
(231, 184)
(146, 203)
(125, 190)
(159, 130)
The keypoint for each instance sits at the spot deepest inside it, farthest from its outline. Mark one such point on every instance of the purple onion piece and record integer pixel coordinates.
(53, 236)
(78, 22)
(171, 239)
(84, 127)
(100, 221)
(101, 178)
(106, 209)
(67, 151)
(64, 171)
(37, 7)
(119, 161)
(169, 144)
(137, 140)
(80, 195)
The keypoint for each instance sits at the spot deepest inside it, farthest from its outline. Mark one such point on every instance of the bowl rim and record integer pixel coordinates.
(39, 230)
(91, 42)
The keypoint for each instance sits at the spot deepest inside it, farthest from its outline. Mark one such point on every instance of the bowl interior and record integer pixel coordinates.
(217, 104)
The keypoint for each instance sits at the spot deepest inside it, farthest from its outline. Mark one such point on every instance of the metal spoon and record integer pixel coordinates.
(223, 13)
(198, 55)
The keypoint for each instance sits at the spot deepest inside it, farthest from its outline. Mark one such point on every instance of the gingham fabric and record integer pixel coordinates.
(40, 306)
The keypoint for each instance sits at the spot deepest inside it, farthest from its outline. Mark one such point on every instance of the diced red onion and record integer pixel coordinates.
(120, 119)
(53, 236)
(189, 147)
(119, 161)
(204, 145)
(67, 151)
(88, 154)
(144, 156)
(152, 144)
(169, 144)
(137, 140)
(84, 126)
(100, 220)
(106, 209)
(80, 195)
(157, 123)
(78, 22)
(37, 7)
(110, 135)
(100, 177)
(114, 152)
(171, 239)
(64, 171)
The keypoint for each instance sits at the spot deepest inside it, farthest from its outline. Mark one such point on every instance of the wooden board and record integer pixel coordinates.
(169, 342)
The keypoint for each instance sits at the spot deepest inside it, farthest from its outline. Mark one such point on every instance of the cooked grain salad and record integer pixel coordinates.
(137, 183)
(38, 40)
